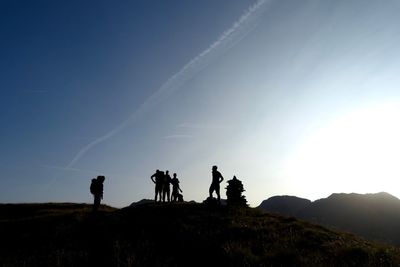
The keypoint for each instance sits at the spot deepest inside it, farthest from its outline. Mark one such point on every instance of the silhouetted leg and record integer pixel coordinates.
(159, 195)
(96, 203)
(218, 195)
(163, 195)
(168, 195)
(211, 190)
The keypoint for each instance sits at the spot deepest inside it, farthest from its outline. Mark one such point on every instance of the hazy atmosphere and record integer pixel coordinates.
(293, 97)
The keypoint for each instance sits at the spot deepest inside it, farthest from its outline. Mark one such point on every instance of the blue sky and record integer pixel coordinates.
(278, 93)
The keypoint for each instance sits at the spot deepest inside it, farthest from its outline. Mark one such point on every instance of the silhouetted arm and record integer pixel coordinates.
(152, 178)
(220, 178)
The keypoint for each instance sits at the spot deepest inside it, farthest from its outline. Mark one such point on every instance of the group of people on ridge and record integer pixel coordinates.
(163, 180)
(162, 183)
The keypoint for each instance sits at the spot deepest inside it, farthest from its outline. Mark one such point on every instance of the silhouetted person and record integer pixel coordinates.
(158, 179)
(234, 192)
(176, 189)
(166, 188)
(96, 188)
(216, 180)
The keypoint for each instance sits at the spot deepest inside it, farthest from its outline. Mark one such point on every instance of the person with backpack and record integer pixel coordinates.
(96, 189)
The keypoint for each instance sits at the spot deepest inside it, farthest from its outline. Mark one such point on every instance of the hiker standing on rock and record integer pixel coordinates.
(96, 188)
(216, 180)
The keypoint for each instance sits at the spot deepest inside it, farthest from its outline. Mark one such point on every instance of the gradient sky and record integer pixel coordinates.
(293, 97)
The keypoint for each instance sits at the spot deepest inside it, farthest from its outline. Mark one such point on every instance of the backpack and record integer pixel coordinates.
(93, 186)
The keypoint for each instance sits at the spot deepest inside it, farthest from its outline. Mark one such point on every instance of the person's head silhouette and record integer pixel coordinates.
(214, 168)
(174, 175)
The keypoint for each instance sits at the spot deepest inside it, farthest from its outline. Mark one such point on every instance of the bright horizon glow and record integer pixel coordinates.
(358, 152)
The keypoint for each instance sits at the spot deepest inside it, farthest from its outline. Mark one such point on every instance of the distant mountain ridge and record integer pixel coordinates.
(143, 201)
(374, 216)
(285, 205)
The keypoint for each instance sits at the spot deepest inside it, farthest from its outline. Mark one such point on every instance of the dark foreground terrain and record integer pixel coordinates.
(175, 235)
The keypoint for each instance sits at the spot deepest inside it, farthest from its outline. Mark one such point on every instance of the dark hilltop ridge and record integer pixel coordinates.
(373, 216)
(285, 205)
(178, 234)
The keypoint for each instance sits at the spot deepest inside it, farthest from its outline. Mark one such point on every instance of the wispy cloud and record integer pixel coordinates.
(178, 136)
(247, 22)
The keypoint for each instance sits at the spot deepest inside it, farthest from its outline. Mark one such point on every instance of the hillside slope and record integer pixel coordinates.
(373, 216)
(175, 235)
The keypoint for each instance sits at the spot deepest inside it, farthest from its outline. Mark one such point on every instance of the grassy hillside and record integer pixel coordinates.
(175, 235)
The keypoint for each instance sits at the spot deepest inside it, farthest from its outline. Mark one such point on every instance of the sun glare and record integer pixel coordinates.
(358, 152)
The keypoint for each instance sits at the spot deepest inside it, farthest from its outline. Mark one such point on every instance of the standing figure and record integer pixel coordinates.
(216, 180)
(96, 188)
(175, 189)
(166, 188)
(158, 179)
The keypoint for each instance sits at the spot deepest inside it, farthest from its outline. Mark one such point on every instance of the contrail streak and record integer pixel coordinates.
(226, 40)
